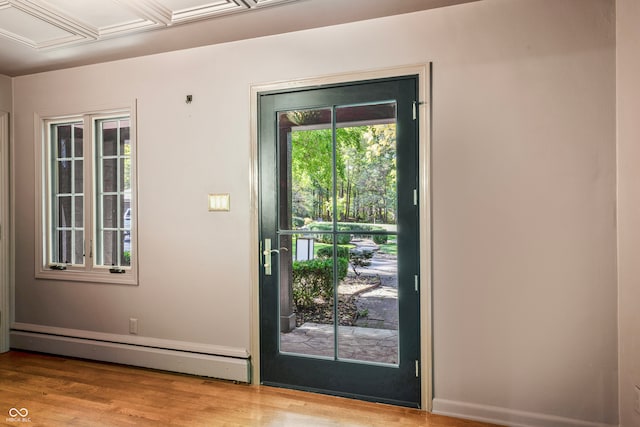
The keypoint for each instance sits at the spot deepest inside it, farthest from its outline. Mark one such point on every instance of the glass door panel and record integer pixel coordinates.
(337, 282)
(305, 145)
(337, 185)
(309, 285)
(370, 292)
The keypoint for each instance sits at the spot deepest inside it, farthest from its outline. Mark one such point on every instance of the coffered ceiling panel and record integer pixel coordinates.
(97, 13)
(42, 35)
(49, 24)
(21, 26)
(188, 10)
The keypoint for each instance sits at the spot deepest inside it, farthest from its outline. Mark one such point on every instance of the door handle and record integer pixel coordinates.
(276, 251)
(267, 255)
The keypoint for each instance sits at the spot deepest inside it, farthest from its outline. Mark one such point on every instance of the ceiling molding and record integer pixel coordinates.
(206, 11)
(45, 35)
(150, 9)
(45, 16)
(15, 17)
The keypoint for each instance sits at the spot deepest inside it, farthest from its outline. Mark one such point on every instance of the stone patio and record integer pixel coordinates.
(354, 342)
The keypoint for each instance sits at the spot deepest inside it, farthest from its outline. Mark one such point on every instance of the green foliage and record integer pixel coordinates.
(343, 239)
(380, 239)
(314, 279)
(365, 171)
(327, 252)
(360, 258)
(126, 255)
(389, 248)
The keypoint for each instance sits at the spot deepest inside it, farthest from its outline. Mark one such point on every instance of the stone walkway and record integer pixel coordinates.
(354, 343)
(381, 303)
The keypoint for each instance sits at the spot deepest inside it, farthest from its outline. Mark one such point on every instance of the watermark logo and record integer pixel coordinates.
(18, 416)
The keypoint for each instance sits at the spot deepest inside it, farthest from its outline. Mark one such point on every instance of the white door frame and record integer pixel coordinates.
(5, 254)
(423, 111)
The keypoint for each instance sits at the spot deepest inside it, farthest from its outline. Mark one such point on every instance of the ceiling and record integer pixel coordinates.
(43, 35)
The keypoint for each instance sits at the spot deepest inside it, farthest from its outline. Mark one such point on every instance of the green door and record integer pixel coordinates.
(339, 308)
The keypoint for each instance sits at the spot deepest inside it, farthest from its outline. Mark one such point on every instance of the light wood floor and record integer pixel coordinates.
(62, 392)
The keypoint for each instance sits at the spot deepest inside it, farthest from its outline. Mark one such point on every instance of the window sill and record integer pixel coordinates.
(129, 277)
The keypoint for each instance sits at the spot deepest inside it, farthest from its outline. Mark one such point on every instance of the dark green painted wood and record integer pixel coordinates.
(376, 382)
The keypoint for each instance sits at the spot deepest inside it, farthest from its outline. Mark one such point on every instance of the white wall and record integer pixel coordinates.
(524, 270)
(5, 107)
(628, 92)
(5, 93)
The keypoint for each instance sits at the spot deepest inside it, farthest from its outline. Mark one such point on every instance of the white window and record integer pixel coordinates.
(88, 198)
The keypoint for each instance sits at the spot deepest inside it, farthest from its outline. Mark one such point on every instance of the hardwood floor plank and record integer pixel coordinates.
(59, 391)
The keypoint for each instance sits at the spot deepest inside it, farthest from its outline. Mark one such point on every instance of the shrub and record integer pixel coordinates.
(314, 279)
(342, 239)
(360, 258)
(327, 252)
(297, 222)
(354, 228)
(380, 239)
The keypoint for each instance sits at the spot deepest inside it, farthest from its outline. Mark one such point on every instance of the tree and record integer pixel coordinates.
(365, 173)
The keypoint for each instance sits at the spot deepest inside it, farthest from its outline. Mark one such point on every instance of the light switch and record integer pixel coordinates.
(219, 202)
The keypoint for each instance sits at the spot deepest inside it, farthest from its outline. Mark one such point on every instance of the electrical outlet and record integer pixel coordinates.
(637, 405)
(133, 326)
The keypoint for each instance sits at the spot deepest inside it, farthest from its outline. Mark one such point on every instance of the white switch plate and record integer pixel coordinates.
(219, 202)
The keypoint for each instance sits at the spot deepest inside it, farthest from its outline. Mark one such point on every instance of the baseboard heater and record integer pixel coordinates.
(189, 358)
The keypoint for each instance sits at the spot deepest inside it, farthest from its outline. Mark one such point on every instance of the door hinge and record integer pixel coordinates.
(417, 369)
(416, 104)
(415, 197)
(417, 283)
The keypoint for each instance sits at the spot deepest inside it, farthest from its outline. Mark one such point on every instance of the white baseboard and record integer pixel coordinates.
(506, 417)
(188, 358)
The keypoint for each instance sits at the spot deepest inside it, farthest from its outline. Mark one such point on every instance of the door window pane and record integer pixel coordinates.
(371, 288)
(306, 173)
(366, 167)
(307, 293)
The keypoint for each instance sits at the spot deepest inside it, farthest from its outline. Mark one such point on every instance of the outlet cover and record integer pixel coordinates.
(133, 326)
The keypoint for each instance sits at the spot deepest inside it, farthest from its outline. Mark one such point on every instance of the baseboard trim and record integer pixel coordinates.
(507, 417)
(163, 357)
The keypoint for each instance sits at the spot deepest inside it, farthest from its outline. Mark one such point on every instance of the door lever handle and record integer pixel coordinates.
(267, 255)
(267, 252)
